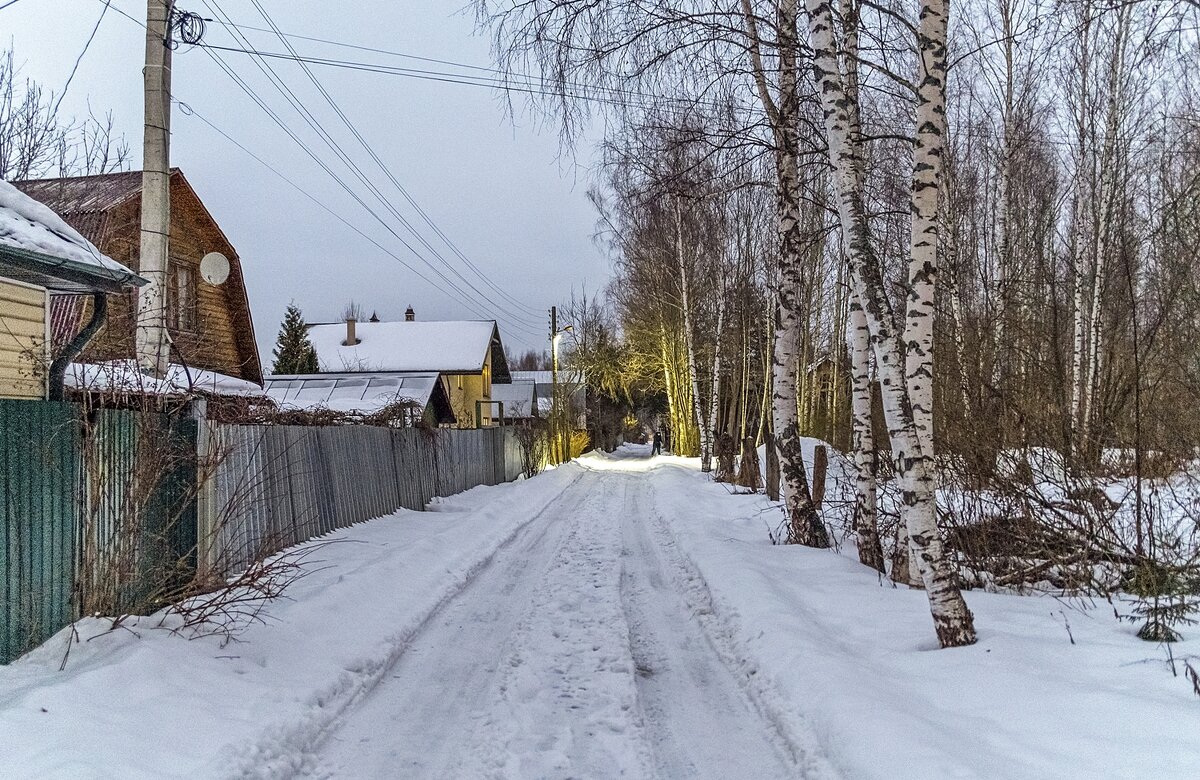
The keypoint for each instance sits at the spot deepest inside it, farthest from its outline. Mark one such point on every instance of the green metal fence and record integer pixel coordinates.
(39, 497)
(97, 513)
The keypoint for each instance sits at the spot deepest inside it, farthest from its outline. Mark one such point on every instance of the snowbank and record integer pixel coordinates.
(1052, 689)
(241, 709)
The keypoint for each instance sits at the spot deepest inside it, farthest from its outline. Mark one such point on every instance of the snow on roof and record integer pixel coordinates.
(404, 346)
(27, 224)
(123, 376)
(566, 376)
(351, 392)
(517, 397)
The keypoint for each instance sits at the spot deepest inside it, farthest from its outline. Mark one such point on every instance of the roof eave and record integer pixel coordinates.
(77, 274)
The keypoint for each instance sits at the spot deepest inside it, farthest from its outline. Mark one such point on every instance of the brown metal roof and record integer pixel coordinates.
(85, 201)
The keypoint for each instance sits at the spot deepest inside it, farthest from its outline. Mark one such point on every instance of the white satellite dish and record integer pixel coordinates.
(214, 268)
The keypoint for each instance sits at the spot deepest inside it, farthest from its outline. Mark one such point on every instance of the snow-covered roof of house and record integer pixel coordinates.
(517, 397)
(566, 376)
(351, 392)
(41, 244)
(123, 376)
(458, 346)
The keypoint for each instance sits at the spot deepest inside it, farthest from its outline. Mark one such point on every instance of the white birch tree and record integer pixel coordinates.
(953, 621)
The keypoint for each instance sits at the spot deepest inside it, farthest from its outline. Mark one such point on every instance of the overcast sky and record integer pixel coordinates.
(501, 189)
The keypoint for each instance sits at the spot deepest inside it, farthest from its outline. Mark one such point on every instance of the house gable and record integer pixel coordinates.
(106, 210)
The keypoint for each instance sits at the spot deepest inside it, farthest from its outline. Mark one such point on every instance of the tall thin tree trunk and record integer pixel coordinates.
(952, 619)
(783, 111)
(714, 392)
(866, 526)
(689, 340)
(926, 193)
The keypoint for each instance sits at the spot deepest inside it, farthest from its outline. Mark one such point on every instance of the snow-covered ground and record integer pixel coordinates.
(619, 616)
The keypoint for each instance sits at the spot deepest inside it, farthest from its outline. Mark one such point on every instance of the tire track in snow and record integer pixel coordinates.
(287, 749)
(721, 630)
(700, 720)
(565, 705)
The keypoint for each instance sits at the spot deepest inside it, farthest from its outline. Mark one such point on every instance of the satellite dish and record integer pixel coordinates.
(214, 268)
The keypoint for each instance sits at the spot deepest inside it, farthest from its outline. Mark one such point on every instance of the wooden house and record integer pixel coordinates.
(209, 325)
(42, 261)
(468, 357)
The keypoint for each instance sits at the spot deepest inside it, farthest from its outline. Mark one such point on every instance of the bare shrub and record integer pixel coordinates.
(398, 414)
(238, 604)
(533, 437)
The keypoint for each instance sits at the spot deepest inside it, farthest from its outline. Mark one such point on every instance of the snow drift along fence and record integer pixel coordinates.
(278, 485)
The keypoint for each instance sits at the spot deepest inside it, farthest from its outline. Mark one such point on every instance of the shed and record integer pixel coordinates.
(468, 354)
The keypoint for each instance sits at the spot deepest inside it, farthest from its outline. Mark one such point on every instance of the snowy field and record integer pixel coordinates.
(617, 617)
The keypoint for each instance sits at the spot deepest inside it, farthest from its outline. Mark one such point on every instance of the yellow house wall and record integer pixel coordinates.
(24, 329)
(466, 389)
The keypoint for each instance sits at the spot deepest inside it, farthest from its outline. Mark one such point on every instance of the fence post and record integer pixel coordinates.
(206, 492)
(820, 467)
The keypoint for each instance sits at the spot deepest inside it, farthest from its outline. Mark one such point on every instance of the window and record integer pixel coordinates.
(184, 314)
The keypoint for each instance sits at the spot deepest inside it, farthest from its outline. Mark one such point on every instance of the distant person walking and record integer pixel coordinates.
(657, 444)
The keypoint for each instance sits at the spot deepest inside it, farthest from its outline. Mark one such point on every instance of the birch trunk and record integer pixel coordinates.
(866, 526)
(804, 522)
(1079, 340)
(926, 192)
(690, 343)
(1004, 254)
(952, 619)
(714, 391)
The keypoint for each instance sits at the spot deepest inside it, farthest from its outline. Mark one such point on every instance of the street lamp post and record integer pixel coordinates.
(557, 423)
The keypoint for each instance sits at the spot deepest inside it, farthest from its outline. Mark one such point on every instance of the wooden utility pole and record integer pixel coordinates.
(153, 352)
(554, 421)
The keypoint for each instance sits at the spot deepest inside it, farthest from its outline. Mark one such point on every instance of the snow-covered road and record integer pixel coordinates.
(574, 653)
(617, 617)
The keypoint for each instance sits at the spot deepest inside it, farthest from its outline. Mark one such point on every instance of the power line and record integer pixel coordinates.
(387, 172)
(497, 82)
(187, 110)
(460, 294)
(78, 59)
(325, 136)
(278, 120)
(505, 75)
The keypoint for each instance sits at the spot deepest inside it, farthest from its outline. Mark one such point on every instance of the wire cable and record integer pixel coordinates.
(275, 117)
(78, 59)
(337, 149)
(395, 182)
(480, 309)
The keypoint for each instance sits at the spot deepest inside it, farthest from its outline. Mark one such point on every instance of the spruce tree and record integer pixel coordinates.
(294, 353)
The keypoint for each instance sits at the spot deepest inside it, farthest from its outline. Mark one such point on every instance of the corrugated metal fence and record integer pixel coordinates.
(275, 486)
(39, 490)
(113, 511)
(96, 514)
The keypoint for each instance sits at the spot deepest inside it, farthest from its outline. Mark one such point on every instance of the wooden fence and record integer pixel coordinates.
(114, 510)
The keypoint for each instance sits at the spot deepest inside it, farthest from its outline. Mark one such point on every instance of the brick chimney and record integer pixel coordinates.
(351, 339)
(410, 315)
